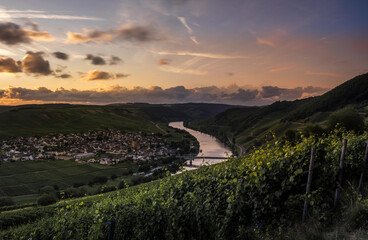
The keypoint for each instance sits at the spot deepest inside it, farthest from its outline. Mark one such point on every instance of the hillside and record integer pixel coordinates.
(30, 120)
(257, 196)
(249, 126)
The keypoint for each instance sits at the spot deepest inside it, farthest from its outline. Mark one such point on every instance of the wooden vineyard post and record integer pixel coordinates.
(341, 166)
(310, 175)
(364, 166)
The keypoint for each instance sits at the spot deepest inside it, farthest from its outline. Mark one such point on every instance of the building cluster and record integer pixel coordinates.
(104, 147)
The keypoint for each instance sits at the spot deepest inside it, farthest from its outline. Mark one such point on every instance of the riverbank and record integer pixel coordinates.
(212, 151)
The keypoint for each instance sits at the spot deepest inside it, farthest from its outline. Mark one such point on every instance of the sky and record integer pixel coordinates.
(243, 52)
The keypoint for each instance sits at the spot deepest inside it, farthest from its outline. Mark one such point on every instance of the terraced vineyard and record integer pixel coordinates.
(257, 196)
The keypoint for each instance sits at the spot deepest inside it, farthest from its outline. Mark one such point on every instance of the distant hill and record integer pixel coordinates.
(28, 120)
(250, 125)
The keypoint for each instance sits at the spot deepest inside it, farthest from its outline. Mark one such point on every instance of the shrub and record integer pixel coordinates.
(347, 118)
(72, 192)
(46, 199)
(113, 176)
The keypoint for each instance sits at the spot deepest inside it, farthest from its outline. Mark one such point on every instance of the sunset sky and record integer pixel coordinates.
(169, 51)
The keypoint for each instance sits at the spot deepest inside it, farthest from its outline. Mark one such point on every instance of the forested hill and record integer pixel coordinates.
(249, 126)
(29, 120)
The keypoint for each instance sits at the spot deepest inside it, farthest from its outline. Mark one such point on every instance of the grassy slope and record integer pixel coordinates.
(47, 119)
(252, 124)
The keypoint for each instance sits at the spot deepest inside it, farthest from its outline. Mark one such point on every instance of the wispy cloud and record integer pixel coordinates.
(35, 14)
(174, 69)
(327, 74)
(280, 68)
(197, 54)
(184, 22)
(265, 42)
(194, 39)
(189, 30)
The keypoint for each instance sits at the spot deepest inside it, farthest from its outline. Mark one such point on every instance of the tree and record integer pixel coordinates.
(46, 199)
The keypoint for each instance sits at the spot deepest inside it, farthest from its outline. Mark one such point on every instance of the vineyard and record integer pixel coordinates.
(257, 196)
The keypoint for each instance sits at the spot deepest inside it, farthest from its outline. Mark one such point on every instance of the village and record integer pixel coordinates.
(104, 147)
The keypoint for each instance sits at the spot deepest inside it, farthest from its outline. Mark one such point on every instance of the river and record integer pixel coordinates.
(209, 146)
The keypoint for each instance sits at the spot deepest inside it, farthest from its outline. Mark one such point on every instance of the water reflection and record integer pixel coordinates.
(209, 146)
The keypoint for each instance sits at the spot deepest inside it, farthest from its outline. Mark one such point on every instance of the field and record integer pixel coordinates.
(26, 178)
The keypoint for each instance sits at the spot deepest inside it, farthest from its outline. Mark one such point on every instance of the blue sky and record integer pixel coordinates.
(179, 50)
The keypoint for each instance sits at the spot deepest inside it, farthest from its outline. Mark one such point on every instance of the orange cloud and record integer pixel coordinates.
(163, 61)
(89, 36)
(9, 65)
(33, 62)
(102, 75)
(11, 34)
(39, 36)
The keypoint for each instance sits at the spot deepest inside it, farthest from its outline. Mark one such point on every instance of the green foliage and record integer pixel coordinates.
(122, 184)
(46, 199)
(347, 118)
(6, 201)
(264, 188)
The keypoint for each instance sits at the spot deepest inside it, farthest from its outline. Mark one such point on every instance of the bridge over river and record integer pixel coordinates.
(203, 157)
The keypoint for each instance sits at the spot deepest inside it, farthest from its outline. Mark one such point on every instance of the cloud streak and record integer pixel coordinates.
(198, 54)
(35, 14)
(184, 22)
